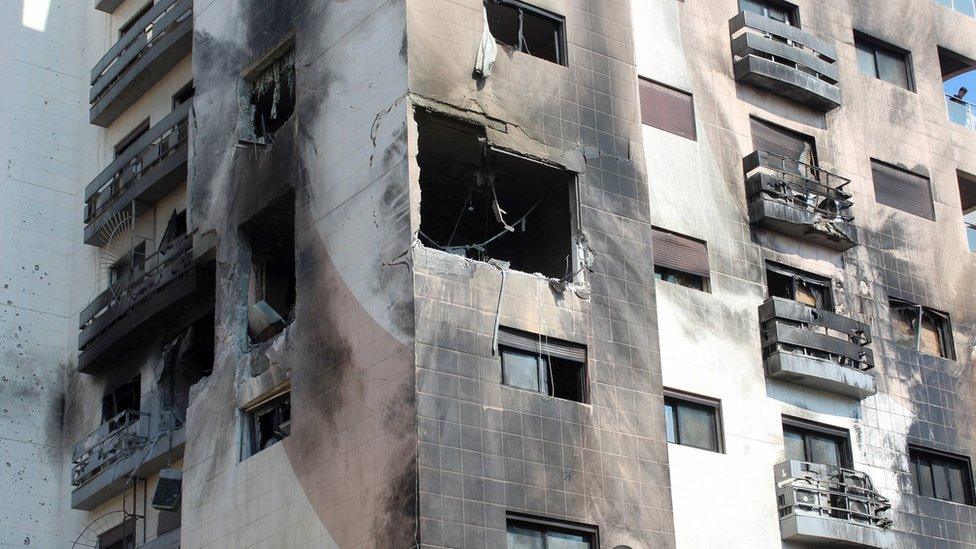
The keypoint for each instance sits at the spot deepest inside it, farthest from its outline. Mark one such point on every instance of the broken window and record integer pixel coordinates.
(485, 204)
(942, 476)
(799, 286)
(271, 98)
(131, 137)
(667, 108)
(922, 329)
(902, 189)
(271, 292)
(816, 443)
(883, 61)
(175, 228)
(967, 200)
(680, 260)
(525, 532)
(123, 398)
(692, 421)
(545, 365)
(268, 423)
(527, 29)
(184, 94)
(777, 11)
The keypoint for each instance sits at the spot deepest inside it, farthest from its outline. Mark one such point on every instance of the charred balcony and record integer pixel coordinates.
(816, 348)
(782, 59)
(145, 172)
(155, 43)
(168, 288)
(799, 200)
(829, 506)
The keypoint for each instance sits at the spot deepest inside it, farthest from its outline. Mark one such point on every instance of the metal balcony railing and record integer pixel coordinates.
(148, 31)
(801, 185)
(831, 492)
(790, 326)
(162, 141)
(961, 112)
(111, 442)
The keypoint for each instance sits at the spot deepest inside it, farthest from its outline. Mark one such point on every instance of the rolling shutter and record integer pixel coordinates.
(902, 189)
(667, 109)
(770, 138)
(535, 343)
(680, 253)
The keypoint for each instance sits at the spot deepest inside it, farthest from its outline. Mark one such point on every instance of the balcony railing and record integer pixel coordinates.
(146, 171)
(799, 199)
(110, 443)
(961, 112)
(785, 60)
(147, 51)
(816, 348)
(829, 505)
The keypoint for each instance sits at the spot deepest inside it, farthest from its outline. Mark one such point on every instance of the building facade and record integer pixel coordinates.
(487, 273)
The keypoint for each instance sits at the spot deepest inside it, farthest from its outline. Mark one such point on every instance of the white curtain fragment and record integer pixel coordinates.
(486, 51)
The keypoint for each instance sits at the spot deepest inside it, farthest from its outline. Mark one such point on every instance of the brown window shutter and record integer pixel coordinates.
(774, 139)
(902, 189)
(680, 253)
(667, 109)
(535, 343)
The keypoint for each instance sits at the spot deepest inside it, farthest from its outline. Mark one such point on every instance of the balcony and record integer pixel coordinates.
(800, 200)
(131, 442)
(961, 112)
(108, 6)
(784, 60)
(166, 289)
(155, 44)
(148, 170)
(830, 506)
(816, 348)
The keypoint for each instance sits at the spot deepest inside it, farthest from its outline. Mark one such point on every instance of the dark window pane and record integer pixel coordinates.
(669, 421)
(940, 479)
(524, 538)
(567, 378)
(960, 483)
(696, 427)
(565, 540)
(539, 35)
(865, 59)
(892, 67)
(825, 450)
(503, 22)
(520, 370)
(795, 449)
(923, 478)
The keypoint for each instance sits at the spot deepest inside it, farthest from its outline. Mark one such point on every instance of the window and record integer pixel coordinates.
(542, 364)
(880, 60)
(967, 200)
(667, 109)
(184, 94)
(799, 286)
(271, 98)
(816, 443)
(123, 398)
(527, 29)
(958, 72)
(486, 204)
(903, 190)
(797, 151)
(940, 475)
(268, 423)
(122, 536)
(131, 137)
(680, 260)
(779, 11)
(272, 290)
(134, 19)
(525, 532)
(925, 330)
(692, 421)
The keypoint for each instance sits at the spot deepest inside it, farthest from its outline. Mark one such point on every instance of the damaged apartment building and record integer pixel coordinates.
(525, 274)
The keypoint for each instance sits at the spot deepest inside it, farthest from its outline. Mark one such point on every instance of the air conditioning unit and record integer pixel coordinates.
(168, 490)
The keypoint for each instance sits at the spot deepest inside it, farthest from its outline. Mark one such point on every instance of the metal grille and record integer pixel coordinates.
(667, 109)
(902, 189)
(680, 253)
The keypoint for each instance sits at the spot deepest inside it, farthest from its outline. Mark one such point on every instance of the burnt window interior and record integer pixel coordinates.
(941, 476)
(692, 421)
(925, 330)
(527, 29)
(184, 94)
(544, 365)
(122, 398)
(272, 97)
(486, 204)
(815, 443)
(799, 286)
(269, 423)
(175, 228)
(271, 294)
(189, 357)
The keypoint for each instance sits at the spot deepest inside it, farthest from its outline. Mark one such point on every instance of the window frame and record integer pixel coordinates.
(696, 401)
(809, 278)
(876, 44)
(947, 458)
(944, 328)
(545, 524)
(188, 87)
(806, 428)
(559, 20)
(660, 271)
(130, 138)
(792, 11)
(543, 366)
(270, 404)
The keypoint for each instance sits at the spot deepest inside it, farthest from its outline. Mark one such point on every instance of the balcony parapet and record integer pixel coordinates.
(798, 199)
(785, 60)
(823, 504)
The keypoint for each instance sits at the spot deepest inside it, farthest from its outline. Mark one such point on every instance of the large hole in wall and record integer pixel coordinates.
(271, 292)
(487, 204)
(270, 93)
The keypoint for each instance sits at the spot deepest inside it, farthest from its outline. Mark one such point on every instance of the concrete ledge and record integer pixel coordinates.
(817, 530)
(787, 82)
(819, 374)
(169, 540)
(783, 218)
